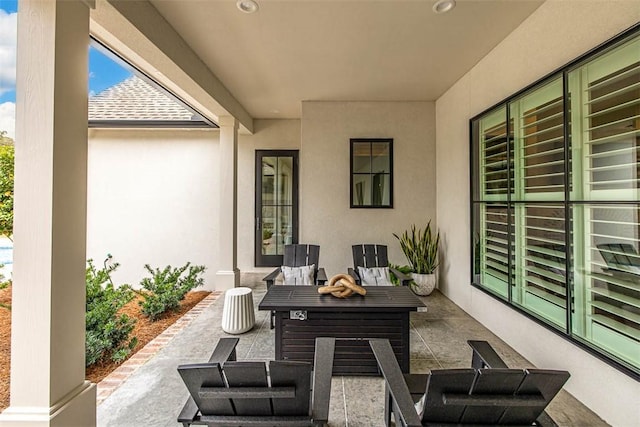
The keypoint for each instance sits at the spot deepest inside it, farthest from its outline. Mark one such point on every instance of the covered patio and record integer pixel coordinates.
(154, 394)
(237, 71)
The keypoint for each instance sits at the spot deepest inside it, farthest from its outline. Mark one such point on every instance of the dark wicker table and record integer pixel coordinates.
(302, 314)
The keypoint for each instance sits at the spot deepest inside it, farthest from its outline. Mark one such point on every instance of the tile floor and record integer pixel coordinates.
(154, 394)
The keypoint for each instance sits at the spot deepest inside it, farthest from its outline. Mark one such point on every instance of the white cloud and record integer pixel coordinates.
(8, 36)
(8, 118)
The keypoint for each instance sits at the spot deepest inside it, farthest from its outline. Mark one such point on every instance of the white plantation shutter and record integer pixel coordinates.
(539, 273)
(494, 265)
(606, 124)
(539, 135)
(542, 282)
(606, 130)
(494, 155)
(556, 200)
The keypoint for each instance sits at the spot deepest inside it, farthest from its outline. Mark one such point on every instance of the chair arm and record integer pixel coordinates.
(388, 364)
(321, 277)
(354, 274)
(322, 369)
(402, 278)
(271, 277)
(484, 356)
(189, 412)
(225, 350)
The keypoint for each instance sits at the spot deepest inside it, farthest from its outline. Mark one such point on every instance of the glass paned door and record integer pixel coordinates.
(276, 205)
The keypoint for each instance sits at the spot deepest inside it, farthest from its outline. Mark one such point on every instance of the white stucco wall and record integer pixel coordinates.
(153, 199)
(553, 35)
(325, 216)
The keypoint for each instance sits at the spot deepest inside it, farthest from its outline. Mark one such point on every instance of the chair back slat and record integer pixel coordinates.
(291, 373)
(289, 258)
(370, 258)
(358, 256)
(381, 251)
(537, 381)
(446, 381)
(313, 255)
(196, 376)
(490, 396)
(367, 255)
(492, 382)
(299, 255)
(248, 374)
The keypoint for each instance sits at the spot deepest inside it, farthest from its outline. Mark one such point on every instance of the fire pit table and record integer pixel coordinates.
(302, 314)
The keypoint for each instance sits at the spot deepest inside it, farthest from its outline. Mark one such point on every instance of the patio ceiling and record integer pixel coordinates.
(295, 50)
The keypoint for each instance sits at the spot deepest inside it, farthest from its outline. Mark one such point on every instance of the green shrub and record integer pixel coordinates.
(406, 269)
(107, 332)
(166, 288)
(4, 284)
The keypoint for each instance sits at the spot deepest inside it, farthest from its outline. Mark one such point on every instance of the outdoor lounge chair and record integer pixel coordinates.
(373, 256)
(225, 392)
(487, 394)
(298, 255)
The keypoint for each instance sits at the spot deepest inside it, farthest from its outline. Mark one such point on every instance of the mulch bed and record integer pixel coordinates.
(5, 347)
(145, 331)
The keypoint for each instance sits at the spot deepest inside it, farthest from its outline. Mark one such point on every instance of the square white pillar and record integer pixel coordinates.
(48, 386)
(228, 276)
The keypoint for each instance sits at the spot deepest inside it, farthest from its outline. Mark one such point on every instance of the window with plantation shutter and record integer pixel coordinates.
(495, 183)
(556, 202)
(605, 128)
(495, 244)
(495, 154)
(539, 229)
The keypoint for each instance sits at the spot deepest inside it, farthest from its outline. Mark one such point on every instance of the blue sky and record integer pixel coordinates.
(103, 71)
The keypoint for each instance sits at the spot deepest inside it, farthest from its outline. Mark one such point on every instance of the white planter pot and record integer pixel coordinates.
(423, 284)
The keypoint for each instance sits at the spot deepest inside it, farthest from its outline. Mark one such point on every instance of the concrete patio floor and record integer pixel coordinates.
(154, 394)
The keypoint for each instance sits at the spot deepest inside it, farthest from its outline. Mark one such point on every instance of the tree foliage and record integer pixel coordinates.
(7, 160)
(4, 139)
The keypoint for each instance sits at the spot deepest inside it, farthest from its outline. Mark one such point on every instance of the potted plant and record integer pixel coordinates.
(266, 236)
(421, 249)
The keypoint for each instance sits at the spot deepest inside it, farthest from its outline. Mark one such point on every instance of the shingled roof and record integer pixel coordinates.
(133, 100)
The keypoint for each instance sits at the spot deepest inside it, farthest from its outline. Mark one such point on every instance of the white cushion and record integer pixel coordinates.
(375, 276)
(419, 405)
(298, 275)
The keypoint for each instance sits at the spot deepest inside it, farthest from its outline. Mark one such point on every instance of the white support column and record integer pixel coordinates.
(48, 386)
(228, 276)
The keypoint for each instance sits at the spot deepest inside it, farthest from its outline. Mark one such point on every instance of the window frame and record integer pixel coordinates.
(353, 174)
(477, 200)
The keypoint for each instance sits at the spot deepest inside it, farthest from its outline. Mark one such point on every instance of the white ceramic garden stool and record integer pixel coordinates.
(238, 316)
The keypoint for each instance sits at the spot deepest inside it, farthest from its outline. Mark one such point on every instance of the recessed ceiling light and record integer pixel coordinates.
(443, 6)
(247, 6)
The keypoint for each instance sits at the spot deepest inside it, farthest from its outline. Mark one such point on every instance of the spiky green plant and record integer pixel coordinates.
(421, 248)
